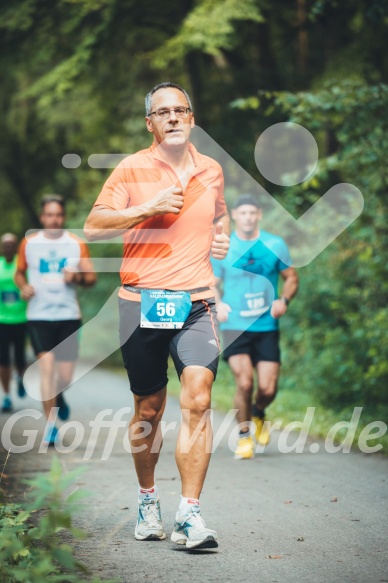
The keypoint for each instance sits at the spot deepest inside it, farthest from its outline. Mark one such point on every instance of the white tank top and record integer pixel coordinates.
(44, 260)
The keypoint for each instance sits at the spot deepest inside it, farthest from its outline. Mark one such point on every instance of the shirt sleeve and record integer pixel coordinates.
(115, 192)
(21, 264)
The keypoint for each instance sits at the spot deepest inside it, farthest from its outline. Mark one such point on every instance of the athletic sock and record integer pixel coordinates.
(147, 493)
(186, 504)
(260, 413)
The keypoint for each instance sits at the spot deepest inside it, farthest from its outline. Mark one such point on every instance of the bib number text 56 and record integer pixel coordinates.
(165, 309)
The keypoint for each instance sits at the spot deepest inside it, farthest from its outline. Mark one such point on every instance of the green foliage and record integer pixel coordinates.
(336, 342)
(354, 112)
(30, 547)
(351, 349)
(74, 75)
(209, 27)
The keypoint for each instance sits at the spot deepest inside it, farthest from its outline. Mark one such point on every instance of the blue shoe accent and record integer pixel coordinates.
(21, 388)
(7, 405)
(149, 524)
(64, 409)
(191, 531)
(51, 435)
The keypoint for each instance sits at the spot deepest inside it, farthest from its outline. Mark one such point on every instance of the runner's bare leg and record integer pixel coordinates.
(65, 374)
(241, 366)
(193, 459)
(46, 361)
(5, 377)
(267, 374)
(150, 409)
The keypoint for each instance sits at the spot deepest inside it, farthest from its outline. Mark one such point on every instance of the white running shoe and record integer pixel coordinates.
(149, 524)
(190, 530)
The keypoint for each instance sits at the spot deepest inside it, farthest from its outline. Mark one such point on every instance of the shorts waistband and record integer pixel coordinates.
(129, 292)
(137, 290)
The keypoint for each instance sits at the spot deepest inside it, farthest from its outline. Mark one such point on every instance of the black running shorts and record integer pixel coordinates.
(13, 335)
(259, 345)
(145, 351)
(60, 336)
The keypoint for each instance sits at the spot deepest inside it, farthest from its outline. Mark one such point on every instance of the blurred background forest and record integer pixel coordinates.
(74, 74)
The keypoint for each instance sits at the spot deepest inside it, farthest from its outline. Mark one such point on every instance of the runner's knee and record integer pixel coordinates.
(148, 411)
(245, 384)
(64, 381)
(267, 390)
(197, 404)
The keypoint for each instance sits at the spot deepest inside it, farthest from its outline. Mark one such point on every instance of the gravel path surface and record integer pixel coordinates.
(281, 518)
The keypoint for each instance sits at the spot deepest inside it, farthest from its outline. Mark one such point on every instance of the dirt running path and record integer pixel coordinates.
(322, 517)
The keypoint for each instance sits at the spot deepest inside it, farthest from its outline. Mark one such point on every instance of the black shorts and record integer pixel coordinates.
(13, 335)
(259, 345)
(60, 336)
(145, 350)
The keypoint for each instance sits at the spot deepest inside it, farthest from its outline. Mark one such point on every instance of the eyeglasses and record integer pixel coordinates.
(165, 113)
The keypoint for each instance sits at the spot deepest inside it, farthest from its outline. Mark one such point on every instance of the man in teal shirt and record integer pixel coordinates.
(248, 314)
(12, 322)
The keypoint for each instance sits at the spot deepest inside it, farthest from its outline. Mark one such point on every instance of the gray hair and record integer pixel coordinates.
(165, 85)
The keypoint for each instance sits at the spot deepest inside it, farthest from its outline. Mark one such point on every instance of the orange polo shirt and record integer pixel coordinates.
(167, 251)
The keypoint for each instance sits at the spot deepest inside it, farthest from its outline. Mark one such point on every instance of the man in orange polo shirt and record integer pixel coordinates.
(167, 202)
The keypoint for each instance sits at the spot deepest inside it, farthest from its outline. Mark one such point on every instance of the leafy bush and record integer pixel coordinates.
(30, 549)
(334, 334)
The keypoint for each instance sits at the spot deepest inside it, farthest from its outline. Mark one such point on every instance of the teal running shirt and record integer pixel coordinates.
(250, 274)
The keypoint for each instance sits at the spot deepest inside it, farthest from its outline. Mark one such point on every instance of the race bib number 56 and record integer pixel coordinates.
(164, 309)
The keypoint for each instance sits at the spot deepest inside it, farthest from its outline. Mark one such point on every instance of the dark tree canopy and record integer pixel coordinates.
(74, 75)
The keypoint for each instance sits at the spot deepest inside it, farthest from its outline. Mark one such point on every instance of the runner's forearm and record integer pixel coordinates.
(88, 279)
(85, 279)
(20, 279)
(105, 223)
(290, 285)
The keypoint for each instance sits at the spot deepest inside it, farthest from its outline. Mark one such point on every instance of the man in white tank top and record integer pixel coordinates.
(51, 264)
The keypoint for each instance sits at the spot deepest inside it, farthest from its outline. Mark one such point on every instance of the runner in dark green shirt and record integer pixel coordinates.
(12, 322)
